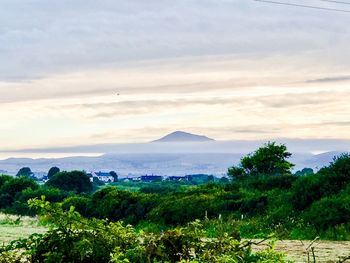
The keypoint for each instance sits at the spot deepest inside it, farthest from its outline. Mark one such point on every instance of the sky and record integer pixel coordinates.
(82, 72)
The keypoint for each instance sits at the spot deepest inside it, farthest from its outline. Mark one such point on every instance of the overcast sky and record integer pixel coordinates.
(228, 69)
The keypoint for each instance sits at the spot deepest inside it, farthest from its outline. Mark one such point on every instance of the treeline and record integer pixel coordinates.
(262, 197)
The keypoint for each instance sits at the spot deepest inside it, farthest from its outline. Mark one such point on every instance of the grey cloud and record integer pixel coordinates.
(329, 79)
(333, 123)
(307, 98)
(39, 38)
(124, 108)
(139, 107)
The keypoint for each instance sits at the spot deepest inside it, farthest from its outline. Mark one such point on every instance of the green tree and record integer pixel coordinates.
(115, 176)
(25, 171)
(76, 181)
(236, 172)
(305, 171)
(12, 188)
(53, 170)
(270, 159)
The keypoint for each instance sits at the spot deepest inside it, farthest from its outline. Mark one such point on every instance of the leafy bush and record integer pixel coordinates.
(305, 191)
(80, 203)
(116, 204)
(329, 212)
(12, 186)
(73, 238)
(76, 181)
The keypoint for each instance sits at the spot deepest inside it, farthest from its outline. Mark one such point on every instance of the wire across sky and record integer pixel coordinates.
(309, 6)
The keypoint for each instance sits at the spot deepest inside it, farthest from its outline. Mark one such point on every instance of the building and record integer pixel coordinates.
(102, 176)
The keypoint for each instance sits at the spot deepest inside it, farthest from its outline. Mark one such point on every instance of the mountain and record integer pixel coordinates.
(180, 136)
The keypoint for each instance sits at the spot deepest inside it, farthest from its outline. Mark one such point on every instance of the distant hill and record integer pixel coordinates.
(180, 136)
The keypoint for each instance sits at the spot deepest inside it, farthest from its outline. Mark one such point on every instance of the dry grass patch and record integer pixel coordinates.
(325, 251)
(15, 227)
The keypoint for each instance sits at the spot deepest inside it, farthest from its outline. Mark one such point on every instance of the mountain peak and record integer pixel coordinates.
(181, 136)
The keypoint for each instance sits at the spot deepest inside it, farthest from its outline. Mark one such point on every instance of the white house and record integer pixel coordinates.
(102, 176)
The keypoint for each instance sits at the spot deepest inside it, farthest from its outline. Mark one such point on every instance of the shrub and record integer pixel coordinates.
(76, 239)
(76, 181)
(305, 191)
(80, 203)
(329, 212)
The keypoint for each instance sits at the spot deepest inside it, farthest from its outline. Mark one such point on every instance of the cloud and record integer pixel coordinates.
(318, 99)
(329, 79)
(40, 39)
(221, 68)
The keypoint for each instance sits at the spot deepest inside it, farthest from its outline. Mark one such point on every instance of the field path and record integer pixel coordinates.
(325, 251)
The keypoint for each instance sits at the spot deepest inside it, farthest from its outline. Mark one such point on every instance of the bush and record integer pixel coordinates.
(76, 239)
(76, 181)
(12, 187)
(266, 183)
(179, 210)
(116, 204)
(329, 212)
(305, 191)
(80, 203)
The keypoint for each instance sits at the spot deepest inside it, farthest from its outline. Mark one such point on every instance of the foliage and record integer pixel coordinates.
(115, 176)
(270, 159)
(73, 238)
(25, 171)
(80, 203)
(329, 212)
(236, 172)
(116, 204)
(53, 170)
(314, 204)
(76, 181)
(11, 186)
(304, 171)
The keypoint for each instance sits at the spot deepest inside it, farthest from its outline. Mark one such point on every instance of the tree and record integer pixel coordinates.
(25, 171)
(270, 159)
(11, 189)
(76, 181)
(115, 176)
(236, 172)
(305, 171)
(53, 170)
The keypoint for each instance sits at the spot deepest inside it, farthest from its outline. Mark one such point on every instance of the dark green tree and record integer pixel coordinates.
(236, 172)
(76, 181)
(53, 170)
(270, 159)
(12, 188)
(305, 171)
(25, 171)
(115, 176)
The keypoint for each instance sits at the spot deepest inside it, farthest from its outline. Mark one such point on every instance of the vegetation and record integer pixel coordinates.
(263, 198)
(25, 171)
(271, 159)
(73, 238)
(53, 170)
(76, 181)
